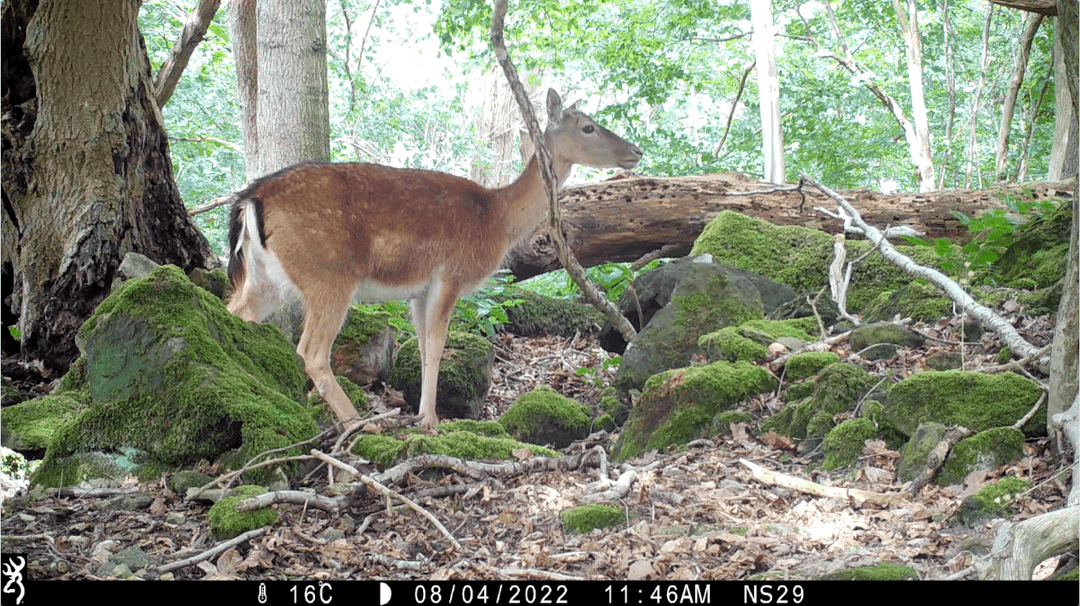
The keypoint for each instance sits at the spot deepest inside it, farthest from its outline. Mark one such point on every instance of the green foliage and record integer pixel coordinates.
(483, 311)
(991, 233)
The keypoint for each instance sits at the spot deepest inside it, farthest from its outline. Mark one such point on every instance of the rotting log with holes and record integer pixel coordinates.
(354, 231)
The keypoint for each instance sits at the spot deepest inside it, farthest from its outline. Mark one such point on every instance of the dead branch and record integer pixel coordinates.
(386, 492)
(213, 551)
(855, 495)
(937, 456)
(978, 311)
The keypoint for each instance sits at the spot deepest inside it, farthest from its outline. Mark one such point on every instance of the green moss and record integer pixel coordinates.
(800, 256)
(974, 400)
(678, 405)
(799, 328)
(543, 416)
(985, 450)
(844, 444)
(837, 388)
(226, 522)
(729, 345)
(540, 315)
(991, 501)
(168, 370)
(463, 378)
(804, 365)
(581, 520)
(385, 450)
(879, 572)
(33, 424)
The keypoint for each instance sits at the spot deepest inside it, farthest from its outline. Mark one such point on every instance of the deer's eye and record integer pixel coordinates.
(588, 130)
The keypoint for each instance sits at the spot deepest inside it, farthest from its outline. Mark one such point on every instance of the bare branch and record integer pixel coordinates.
(190, 37)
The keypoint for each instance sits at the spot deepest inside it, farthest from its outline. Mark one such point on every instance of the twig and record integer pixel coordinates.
(213, 551)
(386, 492)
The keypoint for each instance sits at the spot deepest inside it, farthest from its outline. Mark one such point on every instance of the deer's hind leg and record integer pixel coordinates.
(324, 313)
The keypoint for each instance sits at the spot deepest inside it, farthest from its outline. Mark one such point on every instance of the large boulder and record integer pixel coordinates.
(708, 297)
(168, 373)
(684, 404)
(464, 375)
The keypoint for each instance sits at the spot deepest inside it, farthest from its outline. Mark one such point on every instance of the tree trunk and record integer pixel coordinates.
(242, 30)
(972, 153)
(1012, 90)
(498, 123)
(920, 144)
(772, 134)
(88, 177)
(624, 219)
(293, 103)
(1064, 362)
(1064, 151)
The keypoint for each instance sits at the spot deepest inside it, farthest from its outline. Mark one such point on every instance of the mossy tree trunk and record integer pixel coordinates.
(87, 172)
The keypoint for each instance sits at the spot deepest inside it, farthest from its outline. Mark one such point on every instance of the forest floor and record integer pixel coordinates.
(696, 514)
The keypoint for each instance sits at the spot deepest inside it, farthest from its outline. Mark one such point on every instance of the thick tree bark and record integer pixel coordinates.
(1066, 147)
(624, 219)
(88, 177)
(293, 104)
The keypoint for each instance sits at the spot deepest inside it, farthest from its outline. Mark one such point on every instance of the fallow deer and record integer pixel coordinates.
(339, 232)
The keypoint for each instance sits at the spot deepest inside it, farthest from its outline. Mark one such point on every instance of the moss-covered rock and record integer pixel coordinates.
(679, 405)
(581, 520)
(543, 416)
(474, 440)
(168, 371)
(800, 256)
(992, 501)
(226, 522)
(837, 388)
(869, 339)
(729, 345)
(915, 455)
(982, 451)
(805, 365)
(844, 443)
(878, 572)
(541, 315)
(464, 374)
(973, 400)
(1039, 251)
(708, 298)
(364, 349)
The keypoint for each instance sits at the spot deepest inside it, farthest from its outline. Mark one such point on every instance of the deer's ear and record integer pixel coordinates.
(576, 105)
(554, 107)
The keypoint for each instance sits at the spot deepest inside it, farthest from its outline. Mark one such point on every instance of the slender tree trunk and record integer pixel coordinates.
(950, 83)
(190, 37)
(768, 91)
(1034, 20)
(920, 145)
(242, 28)
(293, 103)
(973, 151)
(91, 180)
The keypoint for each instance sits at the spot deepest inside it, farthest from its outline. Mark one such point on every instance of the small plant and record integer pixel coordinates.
(991, 234)
(485, 310)
(593, 373)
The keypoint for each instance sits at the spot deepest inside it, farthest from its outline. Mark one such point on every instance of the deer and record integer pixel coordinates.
(344, 232)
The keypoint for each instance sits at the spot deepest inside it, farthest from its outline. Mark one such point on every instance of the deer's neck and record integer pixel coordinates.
(525, 200)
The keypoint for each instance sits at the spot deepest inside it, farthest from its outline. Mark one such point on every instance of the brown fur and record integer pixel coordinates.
(343, 229)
